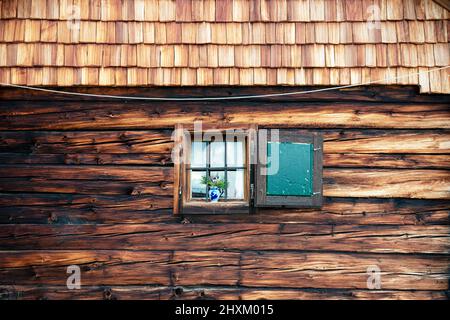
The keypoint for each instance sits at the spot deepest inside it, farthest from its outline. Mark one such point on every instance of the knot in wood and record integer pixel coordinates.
(164, 185)
(107, 294)
(178, 291)
(136, 191)
(52, 217)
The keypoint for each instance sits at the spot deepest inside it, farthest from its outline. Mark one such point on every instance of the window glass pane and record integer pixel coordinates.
(198, 190)
(235, 188)
(217, 154)
(198, 154)
(235, 154)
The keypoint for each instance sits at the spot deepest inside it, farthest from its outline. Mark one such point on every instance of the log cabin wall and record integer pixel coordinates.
(89, 182)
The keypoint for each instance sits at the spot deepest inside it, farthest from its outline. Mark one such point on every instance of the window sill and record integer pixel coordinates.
(225, 207)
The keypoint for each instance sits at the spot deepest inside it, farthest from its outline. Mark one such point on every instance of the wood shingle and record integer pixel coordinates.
(222, 42)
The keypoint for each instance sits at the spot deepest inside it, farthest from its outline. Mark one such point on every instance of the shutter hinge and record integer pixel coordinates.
(252, 191)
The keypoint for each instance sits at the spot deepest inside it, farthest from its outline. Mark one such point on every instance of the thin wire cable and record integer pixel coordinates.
(268, 95)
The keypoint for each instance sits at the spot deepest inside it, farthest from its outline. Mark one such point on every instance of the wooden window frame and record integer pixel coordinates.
(313, 201)
(183, 204)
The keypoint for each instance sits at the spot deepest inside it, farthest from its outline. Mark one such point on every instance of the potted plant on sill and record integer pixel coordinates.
(216, 187)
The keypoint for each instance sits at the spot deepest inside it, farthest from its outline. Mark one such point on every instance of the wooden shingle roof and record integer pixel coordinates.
(223, 42)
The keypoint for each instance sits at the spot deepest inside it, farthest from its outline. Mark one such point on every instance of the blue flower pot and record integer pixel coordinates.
(214, 194)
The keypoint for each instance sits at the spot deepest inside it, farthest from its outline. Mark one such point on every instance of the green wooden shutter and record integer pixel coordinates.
(289, 171)
(295, 172)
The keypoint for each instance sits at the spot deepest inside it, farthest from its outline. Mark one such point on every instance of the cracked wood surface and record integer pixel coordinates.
(268, 236)
(91, 184)
(250, 269)
(29, 292)
(148, 115)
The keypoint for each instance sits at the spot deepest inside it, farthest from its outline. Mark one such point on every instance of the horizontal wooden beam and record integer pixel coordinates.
(387, 183)
(243, 236)
(200, 268)
(89, 209)
(91, 203)
(323, 270)
(139, 115)
(399, 161)
(115, 173)
(87, 142)
(90, 186)
(29, 292)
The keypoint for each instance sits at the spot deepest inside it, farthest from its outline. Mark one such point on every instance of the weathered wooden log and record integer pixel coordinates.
(87, 142)
(119, 173)
(90, 202)
(386, 141)
(139, 115)
(250, 269)
(243, 236)
(91, 186)
(120, 159)
(250, 294)
(205, 293)
(118, 213)
(120, 267)
(338, 270)
(77, 209)
(398, 161)
(387, 183)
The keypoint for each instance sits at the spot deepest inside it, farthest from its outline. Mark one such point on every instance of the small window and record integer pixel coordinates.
(214, 176)
(236, 171)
